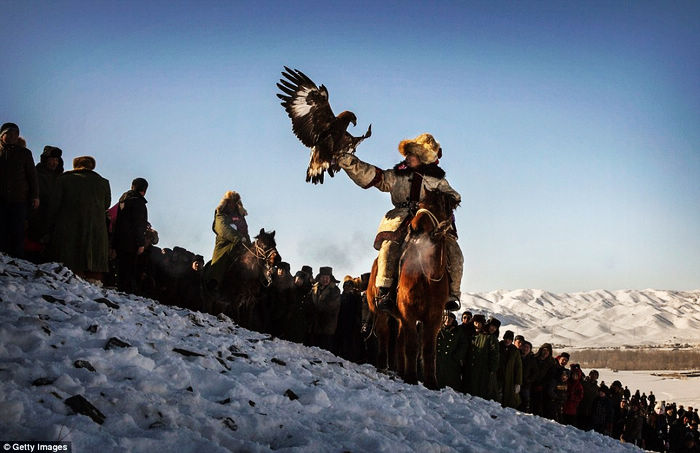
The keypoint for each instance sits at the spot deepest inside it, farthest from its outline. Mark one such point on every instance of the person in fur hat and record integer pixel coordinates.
(48, 170)
(407, 183)
(325, 297)
(231, 231)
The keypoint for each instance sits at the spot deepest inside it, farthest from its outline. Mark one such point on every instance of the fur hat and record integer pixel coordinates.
(424, 147)
(84, 163)
(479, 318)
(51, 151)
(285, 265)
(326, 270)
(508, 335)
(306, 268)
(8, 126)
(236, 197)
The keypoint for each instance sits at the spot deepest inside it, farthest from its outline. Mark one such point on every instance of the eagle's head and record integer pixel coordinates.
(349, 117)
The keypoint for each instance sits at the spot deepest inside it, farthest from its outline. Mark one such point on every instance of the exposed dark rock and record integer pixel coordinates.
(230, 424)
(278, 361)
(187, 353)
(291, 395)
(115, 342)
(93, 328)
(43, 381)
(82, 406)
(53, 300)
(84, 364)
(107, 302)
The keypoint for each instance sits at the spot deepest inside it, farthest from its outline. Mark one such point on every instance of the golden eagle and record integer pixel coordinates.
(314, 123)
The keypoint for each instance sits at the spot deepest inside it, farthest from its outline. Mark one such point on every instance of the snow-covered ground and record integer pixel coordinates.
(595, 318)
(180, 381)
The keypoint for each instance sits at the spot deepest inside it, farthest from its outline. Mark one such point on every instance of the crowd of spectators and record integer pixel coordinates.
(471, 359)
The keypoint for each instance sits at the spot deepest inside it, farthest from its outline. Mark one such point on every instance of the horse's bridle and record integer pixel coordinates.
(440, 230)
(263, 255)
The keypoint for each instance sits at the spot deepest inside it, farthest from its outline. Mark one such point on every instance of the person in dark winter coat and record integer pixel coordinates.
(129, 235)
(529, 372)
(602, 412)
(79, 239)
(590, 393)
(544, 364)
(483, 361)
(510, 371)
(451, 351)
(556, 392)
(633, 424)
(19, 189)
(300, 312)
(325, 297)
(348, 337)
(48, 170)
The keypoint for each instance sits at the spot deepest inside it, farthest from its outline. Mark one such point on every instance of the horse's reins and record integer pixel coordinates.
(259, 253)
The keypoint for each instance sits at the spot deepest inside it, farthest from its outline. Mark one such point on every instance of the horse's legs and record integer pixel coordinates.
(430, 332)
(381, 329)
(410, 351)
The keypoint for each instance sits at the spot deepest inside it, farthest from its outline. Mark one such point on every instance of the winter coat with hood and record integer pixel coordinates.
(80, 238)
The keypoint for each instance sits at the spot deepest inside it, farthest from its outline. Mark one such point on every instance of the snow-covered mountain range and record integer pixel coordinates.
(594, 318)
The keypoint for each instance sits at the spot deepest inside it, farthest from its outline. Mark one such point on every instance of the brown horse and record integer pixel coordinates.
(423, 289)
(243, 284)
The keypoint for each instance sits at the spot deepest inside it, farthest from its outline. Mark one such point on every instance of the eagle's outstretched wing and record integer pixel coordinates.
(307, 106)
(315, 124)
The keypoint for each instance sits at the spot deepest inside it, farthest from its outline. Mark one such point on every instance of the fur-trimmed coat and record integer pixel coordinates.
(397, 182)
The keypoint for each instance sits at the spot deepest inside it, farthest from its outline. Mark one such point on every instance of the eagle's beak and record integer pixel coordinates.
(354, 123)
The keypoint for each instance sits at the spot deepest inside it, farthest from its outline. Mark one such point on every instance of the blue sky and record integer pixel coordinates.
(571, 129)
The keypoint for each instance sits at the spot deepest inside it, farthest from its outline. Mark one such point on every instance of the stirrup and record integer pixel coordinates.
(384, 300)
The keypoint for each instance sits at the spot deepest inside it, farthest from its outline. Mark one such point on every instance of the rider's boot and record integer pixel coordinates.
(385, 300)
(453, 302)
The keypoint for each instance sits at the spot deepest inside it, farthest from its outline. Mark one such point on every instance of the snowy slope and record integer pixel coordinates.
(190, 382)
(595, 318)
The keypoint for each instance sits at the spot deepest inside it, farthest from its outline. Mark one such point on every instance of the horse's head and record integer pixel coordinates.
(266, 252)
(434, 213)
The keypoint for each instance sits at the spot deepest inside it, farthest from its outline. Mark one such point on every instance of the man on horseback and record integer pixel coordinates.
(407, 183)
(231, 231)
